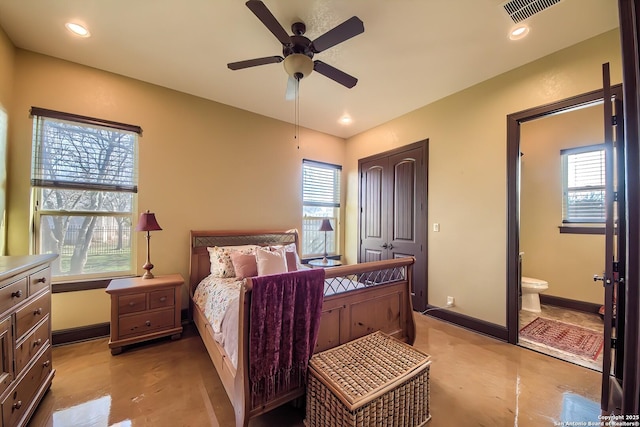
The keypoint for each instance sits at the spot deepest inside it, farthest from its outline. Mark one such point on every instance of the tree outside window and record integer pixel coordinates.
(84, 181)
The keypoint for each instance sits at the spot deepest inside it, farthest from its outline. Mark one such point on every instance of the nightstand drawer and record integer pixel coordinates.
(18, 401)
(132, 303)
(139, 324)
(39, 280)
(163, 298)
(31, 345)
(13, 294)
(29, 315)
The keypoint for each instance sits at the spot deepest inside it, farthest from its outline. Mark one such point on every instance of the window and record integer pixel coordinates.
(320, 200)
(583, 184)
(84, 183)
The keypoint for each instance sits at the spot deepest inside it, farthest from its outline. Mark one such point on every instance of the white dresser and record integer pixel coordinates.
(26, 370)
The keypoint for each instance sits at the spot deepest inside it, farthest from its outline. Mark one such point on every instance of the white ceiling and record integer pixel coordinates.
(412, 52)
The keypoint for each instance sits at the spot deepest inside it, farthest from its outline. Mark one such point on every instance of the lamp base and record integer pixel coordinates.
(147, 274)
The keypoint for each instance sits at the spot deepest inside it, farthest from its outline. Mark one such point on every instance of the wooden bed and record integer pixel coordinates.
(383, 303)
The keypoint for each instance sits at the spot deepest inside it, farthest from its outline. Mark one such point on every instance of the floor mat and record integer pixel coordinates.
(564, 336)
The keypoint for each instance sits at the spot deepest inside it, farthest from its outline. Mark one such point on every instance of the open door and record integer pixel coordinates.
(615, 229)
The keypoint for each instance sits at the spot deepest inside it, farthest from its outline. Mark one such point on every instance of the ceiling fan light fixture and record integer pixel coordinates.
(298, 64)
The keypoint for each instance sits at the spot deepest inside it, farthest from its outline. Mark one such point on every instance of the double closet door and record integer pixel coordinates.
(393, 211)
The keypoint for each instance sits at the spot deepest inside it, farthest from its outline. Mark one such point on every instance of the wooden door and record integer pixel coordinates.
(615, 250)
(393, 188)
(374, 193)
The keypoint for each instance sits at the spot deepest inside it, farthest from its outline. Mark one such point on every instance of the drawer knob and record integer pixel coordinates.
(148, 323)
(131, 303)
(37, 342)
(17, 294)
(41, 280)
(46, 363)
(38, 311)
(17, 404)
(163, 299)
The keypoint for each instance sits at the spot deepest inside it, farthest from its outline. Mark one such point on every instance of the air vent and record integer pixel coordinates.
(519, 10)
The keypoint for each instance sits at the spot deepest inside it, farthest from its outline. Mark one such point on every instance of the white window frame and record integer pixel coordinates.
(320, 200)
(583, 177)
(68, 174)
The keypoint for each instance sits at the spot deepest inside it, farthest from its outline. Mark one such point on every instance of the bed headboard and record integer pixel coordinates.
(199, 267)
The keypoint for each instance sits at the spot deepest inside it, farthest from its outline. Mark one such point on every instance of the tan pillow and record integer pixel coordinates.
(244, 265)
(271, 262)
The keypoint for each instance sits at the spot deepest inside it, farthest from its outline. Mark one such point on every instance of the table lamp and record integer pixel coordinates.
(148, 223)
(325, 226)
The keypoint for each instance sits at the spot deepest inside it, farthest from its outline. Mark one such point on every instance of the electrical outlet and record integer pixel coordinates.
(451, 301)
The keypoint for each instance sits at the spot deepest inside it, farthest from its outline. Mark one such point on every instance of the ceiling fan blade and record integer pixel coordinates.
(260, 10)
(349, 28)
(254, 62)
(335, 74)
(292, 88)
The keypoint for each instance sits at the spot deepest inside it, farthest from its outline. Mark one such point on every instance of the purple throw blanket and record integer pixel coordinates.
(284, 323)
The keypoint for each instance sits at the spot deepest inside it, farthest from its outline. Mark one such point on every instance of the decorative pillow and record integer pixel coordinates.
(219, 257)
(293, 261)
(271, 262)
(245, 265)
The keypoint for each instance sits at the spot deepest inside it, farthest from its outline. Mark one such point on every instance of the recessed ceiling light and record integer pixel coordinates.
(519, 32)
(77, 29)
(345, 120)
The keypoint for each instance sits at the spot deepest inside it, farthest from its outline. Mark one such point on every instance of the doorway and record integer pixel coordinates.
(615, 230)
(562, 234)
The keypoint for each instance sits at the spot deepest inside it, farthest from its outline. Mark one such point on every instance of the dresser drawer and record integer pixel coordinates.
(31, 345)
(6, 355)
(17, 402)
(29, 315)
(132, 303)
(39, 280)
(143, 323)
(13, 294)
(162, 298)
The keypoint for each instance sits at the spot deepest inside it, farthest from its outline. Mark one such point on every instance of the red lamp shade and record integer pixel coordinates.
(148, 222)
(326, 225)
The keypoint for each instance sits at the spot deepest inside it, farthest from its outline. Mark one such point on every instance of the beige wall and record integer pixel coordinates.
(567, 261)
(7, 55)
(467, 170)
(203, 165)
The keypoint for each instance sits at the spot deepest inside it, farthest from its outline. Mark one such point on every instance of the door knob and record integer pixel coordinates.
(384, 246)
(597, 278)
(390, 245)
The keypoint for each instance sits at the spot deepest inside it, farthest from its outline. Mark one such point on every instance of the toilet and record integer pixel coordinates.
(531, 289)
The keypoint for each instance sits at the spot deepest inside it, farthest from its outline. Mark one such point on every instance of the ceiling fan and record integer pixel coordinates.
(298, 50)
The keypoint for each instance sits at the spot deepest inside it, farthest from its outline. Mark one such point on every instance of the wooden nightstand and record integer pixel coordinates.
(144, 309)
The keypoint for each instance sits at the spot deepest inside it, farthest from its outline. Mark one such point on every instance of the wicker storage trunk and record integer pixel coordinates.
(375, 380)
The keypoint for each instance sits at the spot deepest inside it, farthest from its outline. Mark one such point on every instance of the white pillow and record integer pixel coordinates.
(293, 261)
(271, 262)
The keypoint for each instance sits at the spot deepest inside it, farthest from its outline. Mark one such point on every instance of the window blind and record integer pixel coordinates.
(69, 155)
(320, 184)
(584, 185)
